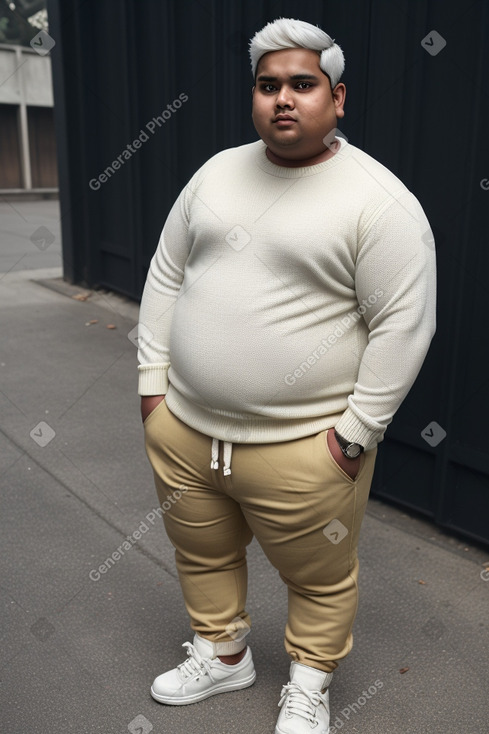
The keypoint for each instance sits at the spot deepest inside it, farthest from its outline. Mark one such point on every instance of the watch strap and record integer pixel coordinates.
(347, 446)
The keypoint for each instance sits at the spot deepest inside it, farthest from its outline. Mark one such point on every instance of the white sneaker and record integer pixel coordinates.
(304, 708)
(201, 676)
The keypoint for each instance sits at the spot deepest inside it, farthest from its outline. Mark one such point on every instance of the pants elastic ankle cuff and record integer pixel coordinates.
(227, 648)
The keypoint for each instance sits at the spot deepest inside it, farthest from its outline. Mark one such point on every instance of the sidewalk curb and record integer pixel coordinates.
(113, 302)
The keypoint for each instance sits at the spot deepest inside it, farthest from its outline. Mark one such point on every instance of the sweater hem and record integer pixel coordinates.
(253, 430)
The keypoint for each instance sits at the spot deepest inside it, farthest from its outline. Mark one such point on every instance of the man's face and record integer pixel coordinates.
(294, 107)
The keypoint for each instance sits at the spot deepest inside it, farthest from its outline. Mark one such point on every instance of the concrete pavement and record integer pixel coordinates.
(81, 647)
(30, 234)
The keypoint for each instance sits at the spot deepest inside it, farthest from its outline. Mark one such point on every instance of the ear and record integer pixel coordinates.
(252, 90)
(339, 96)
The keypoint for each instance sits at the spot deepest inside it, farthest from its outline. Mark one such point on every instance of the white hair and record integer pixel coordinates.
(286, 33)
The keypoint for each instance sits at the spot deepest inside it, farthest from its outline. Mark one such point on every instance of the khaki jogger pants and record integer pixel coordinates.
(300, 505)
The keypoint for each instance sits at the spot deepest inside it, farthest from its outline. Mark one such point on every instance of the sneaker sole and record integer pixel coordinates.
(218, 688)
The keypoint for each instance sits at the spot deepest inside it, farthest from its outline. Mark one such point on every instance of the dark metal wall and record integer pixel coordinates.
(420, 107)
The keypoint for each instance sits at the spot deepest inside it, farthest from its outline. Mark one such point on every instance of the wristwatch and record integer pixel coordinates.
(351, 450)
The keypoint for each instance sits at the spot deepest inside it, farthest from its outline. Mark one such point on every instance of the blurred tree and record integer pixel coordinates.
(21, 20)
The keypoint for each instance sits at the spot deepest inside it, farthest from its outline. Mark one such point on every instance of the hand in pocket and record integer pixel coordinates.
(349, 466)
(149, 403)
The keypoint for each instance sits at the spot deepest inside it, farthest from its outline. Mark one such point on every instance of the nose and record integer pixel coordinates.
(284, 97)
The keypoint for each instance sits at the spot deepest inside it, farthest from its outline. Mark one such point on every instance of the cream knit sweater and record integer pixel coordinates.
(284, 301)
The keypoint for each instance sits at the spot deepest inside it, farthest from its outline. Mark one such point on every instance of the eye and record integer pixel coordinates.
(304, 85)
(267, 87)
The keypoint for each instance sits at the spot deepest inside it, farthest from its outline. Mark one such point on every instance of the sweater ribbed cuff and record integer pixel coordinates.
(353, 429)
(153, 379)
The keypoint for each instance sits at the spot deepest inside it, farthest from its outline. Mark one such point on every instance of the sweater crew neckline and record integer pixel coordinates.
(299, 172)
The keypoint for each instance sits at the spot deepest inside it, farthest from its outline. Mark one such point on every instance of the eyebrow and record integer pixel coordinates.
(263, 78)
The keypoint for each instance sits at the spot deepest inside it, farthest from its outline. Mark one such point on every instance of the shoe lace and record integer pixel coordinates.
(195, 663)
(301, 702)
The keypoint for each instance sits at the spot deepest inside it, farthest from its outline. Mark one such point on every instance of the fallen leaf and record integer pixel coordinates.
(403, 670)
(111, 326)
(90, 323)
(422, 582)
(81, 296)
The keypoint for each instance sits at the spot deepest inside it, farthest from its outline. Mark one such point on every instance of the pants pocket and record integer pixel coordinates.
(337, 466)
(153, 412)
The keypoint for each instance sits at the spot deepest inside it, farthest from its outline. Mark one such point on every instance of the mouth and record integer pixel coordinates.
(284, 120)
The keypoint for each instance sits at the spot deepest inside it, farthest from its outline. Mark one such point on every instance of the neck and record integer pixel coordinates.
(300, 163)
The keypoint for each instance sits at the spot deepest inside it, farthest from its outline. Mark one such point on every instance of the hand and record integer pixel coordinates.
(349, 466)
(149, 403)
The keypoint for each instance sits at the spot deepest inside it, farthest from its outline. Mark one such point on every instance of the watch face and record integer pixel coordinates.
(354, 450)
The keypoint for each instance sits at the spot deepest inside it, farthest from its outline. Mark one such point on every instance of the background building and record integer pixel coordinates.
(147, 93)
(27, 139)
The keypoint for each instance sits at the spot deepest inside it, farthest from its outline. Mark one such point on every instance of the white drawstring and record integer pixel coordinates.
(215, 454)
(228, 451)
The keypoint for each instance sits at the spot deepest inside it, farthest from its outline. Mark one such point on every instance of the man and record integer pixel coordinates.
(287, 311)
